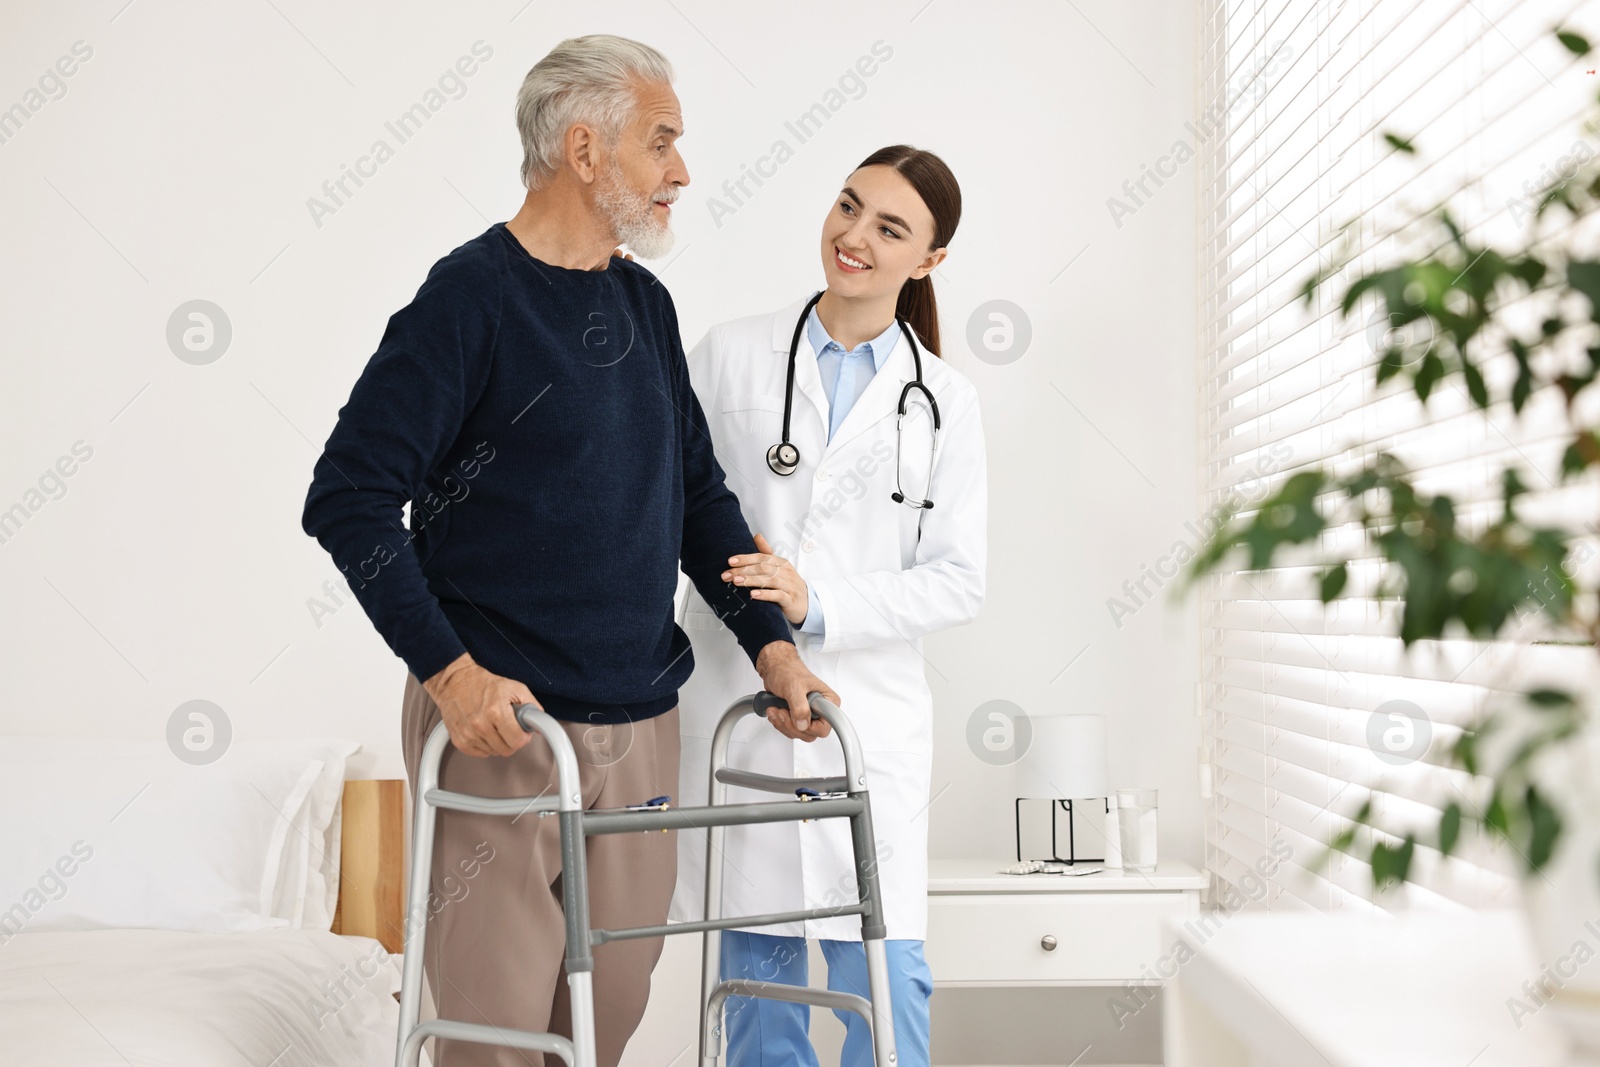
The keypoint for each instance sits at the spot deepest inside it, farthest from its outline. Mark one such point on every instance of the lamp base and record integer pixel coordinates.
(1072, 846)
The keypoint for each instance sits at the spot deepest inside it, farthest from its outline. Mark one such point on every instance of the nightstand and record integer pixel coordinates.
(995, 930)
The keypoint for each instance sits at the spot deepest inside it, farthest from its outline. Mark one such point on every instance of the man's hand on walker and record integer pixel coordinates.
(785, 675)
(479, 708)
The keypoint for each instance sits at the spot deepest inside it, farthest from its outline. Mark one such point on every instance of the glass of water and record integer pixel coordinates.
(1136, 828)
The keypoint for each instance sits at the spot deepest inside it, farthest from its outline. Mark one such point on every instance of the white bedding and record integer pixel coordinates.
(161, 998)
(115, 833)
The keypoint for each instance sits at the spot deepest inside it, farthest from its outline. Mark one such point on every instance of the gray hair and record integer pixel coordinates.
(583, 79)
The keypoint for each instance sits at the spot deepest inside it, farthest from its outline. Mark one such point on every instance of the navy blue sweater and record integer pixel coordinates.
(541, 423)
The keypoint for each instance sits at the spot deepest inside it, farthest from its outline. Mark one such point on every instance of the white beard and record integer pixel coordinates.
(632, 216)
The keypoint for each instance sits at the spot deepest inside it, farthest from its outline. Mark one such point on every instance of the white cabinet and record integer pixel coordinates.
(988, 929)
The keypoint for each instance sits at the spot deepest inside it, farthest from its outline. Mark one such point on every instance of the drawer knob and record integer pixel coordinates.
(1048, 942)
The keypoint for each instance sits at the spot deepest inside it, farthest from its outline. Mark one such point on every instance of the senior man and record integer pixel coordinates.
(533, 405)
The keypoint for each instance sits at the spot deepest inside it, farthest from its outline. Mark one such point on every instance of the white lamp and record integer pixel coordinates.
(1065, 761)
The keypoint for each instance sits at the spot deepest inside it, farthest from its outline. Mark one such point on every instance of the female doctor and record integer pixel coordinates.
(870, 527)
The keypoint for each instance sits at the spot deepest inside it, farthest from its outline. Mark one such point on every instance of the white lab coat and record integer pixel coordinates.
(886, 574)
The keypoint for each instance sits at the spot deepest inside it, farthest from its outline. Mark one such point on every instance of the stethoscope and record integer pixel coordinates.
(784, 457)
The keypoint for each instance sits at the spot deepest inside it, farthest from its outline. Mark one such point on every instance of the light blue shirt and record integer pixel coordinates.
(844, 378)
(845, 374)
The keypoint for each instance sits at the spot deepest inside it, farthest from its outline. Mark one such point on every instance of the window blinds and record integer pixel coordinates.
(1300, 94)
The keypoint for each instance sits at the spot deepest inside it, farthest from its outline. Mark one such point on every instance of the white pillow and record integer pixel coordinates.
(308, 883)
(104, 832)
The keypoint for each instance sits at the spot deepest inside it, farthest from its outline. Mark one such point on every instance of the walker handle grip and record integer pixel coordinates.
(765, 700)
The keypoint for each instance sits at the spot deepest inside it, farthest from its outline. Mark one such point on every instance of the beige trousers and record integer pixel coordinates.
(496, 938)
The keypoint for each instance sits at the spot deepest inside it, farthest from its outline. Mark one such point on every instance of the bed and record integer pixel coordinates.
(154, 912)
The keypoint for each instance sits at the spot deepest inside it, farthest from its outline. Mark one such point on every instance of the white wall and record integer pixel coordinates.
(178, 166)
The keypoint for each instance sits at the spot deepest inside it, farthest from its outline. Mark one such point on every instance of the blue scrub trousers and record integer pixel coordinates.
(772, 1033)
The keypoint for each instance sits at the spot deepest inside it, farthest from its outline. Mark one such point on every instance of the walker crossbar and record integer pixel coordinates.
(576, 825)
(441, 798)
(621, 822)
(600, 936)
(489, 1035)
(821, 998)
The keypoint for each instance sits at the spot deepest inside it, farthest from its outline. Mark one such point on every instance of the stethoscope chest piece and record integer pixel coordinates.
(783, 458)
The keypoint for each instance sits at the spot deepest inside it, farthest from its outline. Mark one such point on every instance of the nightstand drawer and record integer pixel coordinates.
(1099, 937)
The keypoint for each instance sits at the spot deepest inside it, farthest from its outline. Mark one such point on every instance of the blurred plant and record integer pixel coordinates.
(1452, 576)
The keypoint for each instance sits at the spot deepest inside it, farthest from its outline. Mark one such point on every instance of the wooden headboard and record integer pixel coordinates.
(372, 862)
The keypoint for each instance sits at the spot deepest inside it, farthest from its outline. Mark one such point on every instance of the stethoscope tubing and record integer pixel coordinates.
(784, 457)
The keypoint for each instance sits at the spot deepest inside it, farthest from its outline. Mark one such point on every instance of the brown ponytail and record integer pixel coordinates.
(933, 182)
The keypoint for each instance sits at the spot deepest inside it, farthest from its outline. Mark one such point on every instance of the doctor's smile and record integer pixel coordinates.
(848, 263)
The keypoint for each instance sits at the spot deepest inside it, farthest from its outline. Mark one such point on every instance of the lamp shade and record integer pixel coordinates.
(1065, 758)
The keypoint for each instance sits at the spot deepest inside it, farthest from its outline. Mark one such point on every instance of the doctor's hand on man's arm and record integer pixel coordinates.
(477, 707)
(770, 577)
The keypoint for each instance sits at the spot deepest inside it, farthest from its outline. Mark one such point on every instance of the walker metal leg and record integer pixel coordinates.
(873, 932)
(413, 933)
(883, 1050)
(580, 956)
(711, 954)
(416, 919)
(711, 1003)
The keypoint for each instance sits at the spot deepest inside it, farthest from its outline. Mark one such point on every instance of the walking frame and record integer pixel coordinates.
(815, 798)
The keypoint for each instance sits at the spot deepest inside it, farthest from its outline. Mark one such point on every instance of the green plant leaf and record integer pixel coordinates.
(1528, 269)
(1511, 487)
(1584, 276)
(1386, 281)
(1393, 363)
(1550, 698)
(1333, 581)
(1308, 288)
(1582, 451)
(1475, 384)
(1545, 827)
(1400, 144)
(1391, 863)
(1428, 375)
(1495, 815)
(1458, 238)
(1522, 387)
(1449, 828)
(1575, 43)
